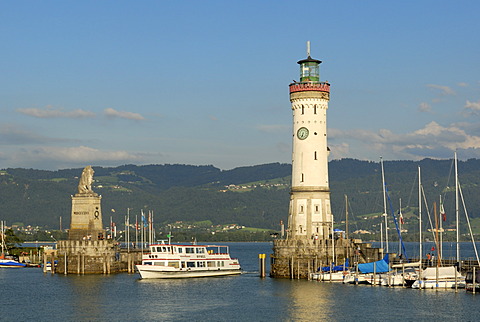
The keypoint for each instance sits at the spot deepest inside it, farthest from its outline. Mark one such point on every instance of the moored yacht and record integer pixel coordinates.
(181, 261)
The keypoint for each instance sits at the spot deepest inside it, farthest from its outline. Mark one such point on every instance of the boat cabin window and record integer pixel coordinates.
(210, 264)
(190, 264)
(147, 263)
(180, 250)
(189, 250)
(183, 265)
(174, 264)
(220, 264)
(201, 250)
(164, 249)
(159, 263)
(200, 264)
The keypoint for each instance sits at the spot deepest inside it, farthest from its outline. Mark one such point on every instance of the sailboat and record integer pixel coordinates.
(336, 273)
(444, 277)
(366, 273)
(7, 261)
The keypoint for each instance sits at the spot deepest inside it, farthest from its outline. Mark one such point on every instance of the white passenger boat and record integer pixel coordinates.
(181, 261)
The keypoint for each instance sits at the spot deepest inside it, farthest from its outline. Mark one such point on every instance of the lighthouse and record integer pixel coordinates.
(310, 214)
(310, 243)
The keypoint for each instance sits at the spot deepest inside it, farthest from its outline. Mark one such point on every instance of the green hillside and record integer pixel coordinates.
(256, 196)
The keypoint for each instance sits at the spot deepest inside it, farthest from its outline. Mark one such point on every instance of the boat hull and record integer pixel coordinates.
(149, 271)
(11, 264)
(432, 284)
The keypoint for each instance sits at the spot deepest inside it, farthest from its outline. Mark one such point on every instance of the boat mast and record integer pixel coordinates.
(439, 255)
(3, 238)
(400, 215)
(442, 213)
(384, 206)
(420, 213)
(456, 209)
(346, 226)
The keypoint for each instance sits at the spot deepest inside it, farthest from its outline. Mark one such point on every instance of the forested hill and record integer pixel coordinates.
(254, 196)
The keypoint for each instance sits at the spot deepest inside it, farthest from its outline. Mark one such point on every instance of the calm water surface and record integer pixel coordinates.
(28, 294)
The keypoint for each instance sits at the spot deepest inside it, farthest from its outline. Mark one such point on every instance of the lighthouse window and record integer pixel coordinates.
(302, 178)
(301, 209)
(315, 155)
(315, 109)
(303, 110)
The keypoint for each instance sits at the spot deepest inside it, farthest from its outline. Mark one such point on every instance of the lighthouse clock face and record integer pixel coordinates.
(302, 133)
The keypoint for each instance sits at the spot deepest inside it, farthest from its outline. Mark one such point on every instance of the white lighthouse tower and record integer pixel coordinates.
(310, 243)
(310, 214)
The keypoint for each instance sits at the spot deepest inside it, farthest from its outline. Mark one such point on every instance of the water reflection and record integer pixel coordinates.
(309, 301)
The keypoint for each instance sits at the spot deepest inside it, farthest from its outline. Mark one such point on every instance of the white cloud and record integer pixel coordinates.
(112, 113)
(444, 90)
(473, 106)
(425, 107)
(51, 112)
(431, 141)
(44, 157)
(16, 135)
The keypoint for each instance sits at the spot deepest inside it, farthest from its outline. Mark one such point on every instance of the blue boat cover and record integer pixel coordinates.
(381, 266)
(337, 268)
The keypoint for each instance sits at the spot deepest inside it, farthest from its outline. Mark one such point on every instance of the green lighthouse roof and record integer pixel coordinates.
(309, 60)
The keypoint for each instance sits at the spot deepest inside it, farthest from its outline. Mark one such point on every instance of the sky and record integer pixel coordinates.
(108, 83)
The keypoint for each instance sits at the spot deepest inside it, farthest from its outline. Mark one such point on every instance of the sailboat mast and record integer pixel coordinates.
(3, 238)
(439, 256)
(346, 217)
(442, 212)
(456, 209)
(384, 206)
(420, 213)
(346, 228)
(400, 224)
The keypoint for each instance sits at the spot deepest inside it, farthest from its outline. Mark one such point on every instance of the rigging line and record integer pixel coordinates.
(468, 221)
(444, 196)
(429, 217)
(414, 185)
(353, 216)
(396, 223)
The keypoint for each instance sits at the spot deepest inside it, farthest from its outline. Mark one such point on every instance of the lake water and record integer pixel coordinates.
(29, 294)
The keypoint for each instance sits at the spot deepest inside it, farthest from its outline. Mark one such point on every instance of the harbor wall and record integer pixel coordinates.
(93, 257)
(297, 258)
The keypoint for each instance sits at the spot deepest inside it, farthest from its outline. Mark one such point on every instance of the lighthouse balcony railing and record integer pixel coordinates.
(309, 86)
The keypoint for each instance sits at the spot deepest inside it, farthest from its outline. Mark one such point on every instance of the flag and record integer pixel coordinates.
(144, 220)
(401, 219)
(442, 212)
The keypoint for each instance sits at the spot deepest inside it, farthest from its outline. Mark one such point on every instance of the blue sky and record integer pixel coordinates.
(118, 82)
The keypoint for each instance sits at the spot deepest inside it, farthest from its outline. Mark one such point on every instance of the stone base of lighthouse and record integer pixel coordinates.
(297, 258)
